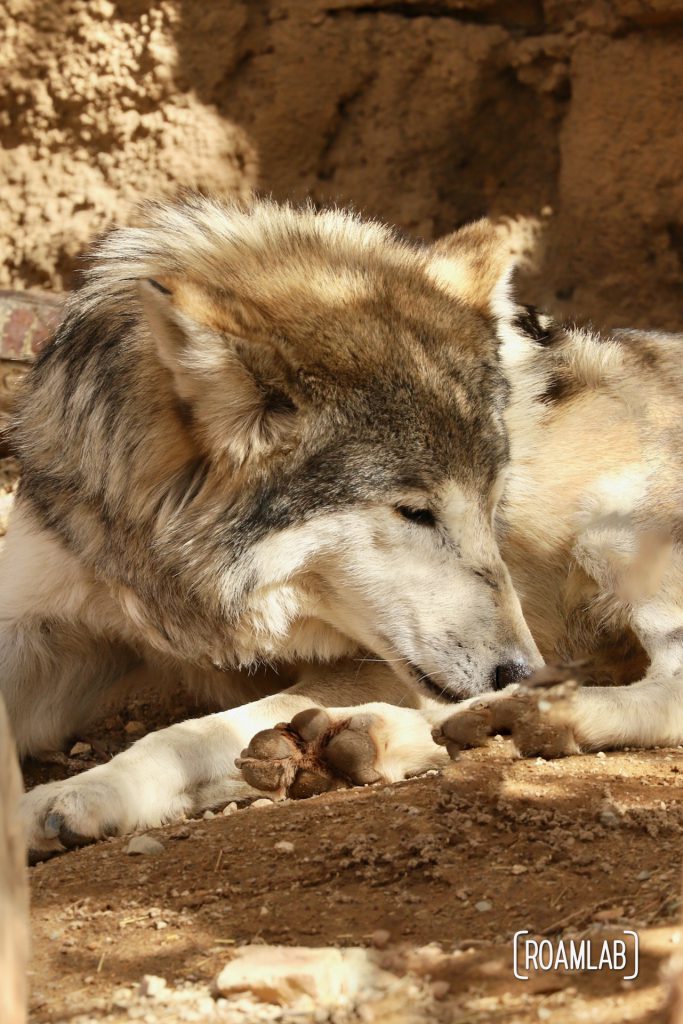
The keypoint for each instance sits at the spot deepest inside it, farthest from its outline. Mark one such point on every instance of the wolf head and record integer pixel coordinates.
(343, 387)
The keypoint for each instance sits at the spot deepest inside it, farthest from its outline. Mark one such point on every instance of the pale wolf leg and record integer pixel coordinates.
(56, 671)
(13, 887)
(191, 766)
(565, 718)
(55, 679)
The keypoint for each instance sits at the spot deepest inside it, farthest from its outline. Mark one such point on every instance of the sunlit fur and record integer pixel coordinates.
(270, 448)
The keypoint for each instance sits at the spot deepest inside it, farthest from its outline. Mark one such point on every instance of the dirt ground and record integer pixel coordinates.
(457, 862)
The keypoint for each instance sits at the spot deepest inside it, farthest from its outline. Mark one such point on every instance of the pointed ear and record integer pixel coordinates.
(236, 388)
(475, 264)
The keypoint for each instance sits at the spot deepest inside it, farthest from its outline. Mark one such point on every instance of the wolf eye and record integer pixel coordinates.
(421, 516)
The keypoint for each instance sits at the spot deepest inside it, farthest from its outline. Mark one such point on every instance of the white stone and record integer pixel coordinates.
(80, 748)
(153, 986)
(144, 845)
(301, 977)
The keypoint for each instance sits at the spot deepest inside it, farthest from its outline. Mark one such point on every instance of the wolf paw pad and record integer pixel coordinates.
(537, 715)
(312, 754)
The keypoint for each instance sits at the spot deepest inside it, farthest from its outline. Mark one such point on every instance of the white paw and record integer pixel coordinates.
(61, 815)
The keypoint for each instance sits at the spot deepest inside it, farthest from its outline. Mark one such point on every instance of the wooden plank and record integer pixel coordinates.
(14, 933)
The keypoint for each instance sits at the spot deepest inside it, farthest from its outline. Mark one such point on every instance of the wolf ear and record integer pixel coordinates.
(475, 264)
(234, 384)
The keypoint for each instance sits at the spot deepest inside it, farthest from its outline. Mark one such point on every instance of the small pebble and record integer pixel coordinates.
(79, 749)
(519, 869)
(482, 906)
(601, 754)
(230, 809)
(262, 802)
(643, 876)
(380, 938)
(180, 833)
(152, 986)
(284, 846)
(144, 845)
(208, 814)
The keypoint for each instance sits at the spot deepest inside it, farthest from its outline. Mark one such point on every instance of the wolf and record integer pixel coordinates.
(345, 487)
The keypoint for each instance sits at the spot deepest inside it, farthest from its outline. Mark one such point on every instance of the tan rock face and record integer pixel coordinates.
(92, 120)
(424, 114)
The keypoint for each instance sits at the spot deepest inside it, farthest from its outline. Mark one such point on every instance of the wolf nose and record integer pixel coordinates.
(510, 672)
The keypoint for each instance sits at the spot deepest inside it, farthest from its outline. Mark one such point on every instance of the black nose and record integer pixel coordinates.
(510, 672)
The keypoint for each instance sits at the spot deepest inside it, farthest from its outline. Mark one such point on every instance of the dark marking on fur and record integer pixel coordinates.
(159, 287)
(277, 402)
(185, 413)
(561, 386)
(529, 322)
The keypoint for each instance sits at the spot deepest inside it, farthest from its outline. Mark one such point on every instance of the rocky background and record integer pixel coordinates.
(426, 113)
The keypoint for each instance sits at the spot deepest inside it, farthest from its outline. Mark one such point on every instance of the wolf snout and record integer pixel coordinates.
(509, 672)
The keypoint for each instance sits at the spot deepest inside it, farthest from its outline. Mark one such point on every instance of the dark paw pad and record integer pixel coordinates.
(352, 752)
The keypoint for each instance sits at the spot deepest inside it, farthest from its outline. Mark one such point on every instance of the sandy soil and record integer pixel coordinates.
(586, 846)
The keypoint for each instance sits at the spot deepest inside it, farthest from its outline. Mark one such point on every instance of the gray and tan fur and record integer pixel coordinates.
(287, 458)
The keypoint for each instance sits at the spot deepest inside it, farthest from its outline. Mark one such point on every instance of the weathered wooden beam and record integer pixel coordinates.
(14, 927)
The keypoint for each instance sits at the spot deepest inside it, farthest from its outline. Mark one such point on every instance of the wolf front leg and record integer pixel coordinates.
(556, 720)
(13, 886)
(192, 766)
(553, 715)
(164, 776)
(639, 580)
(58, 670)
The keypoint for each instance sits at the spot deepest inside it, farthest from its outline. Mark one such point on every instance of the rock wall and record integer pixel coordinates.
(426, 113)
